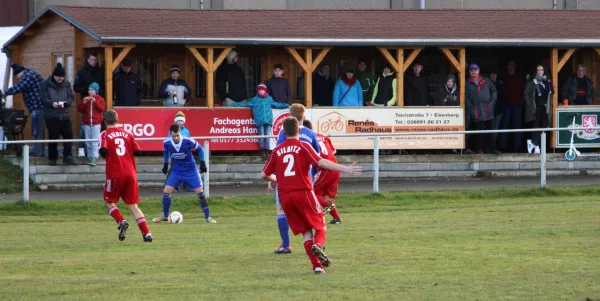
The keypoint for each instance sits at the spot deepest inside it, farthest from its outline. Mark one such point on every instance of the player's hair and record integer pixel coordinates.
(111, 117)
(174, 128)
(307, 124)
(297, 110)
(290, 126)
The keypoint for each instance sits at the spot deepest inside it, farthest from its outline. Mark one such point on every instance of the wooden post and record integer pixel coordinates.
(463, 77)
(555, 69)
(308, 65)
(108, 69)
(308, 82)
(210, 65)
(400, 78)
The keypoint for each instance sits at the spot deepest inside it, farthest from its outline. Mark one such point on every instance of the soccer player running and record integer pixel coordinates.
(307, 135)
(327, 182)
(291, 162)
(118, 147)
(183, 170)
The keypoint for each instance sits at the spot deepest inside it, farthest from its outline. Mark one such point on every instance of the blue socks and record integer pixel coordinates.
(284, 230)
(204, 205)
(166, 201)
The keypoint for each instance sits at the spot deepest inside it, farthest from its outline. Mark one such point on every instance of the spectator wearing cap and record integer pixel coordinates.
(91, 72)
(366, 79)
(57, 96)
(92, 107)
(127, 86)
(278, 86)
(180, 121)
(230, 81)
(481, 97)
(385, 93)
(323, 86)
(348, 92)
(415, 87)
(29, 85)
(174, 92)
(261, 105)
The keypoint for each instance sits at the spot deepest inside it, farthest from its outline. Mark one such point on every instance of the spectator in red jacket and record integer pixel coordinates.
(92, 107)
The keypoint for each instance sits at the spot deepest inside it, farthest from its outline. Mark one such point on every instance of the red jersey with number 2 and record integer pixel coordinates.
(327, 149)
(121, 147)
(291, 162)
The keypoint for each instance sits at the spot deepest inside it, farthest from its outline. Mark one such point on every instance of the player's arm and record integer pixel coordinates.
(137, 151)
(103, 146)
(354, 170)
(270, 178)
(269, 170)
(166, 156)
(200, 151)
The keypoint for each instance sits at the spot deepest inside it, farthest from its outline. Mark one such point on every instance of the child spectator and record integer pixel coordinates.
(278, 87)
(180, 121)
(92, 107)
(261, 105)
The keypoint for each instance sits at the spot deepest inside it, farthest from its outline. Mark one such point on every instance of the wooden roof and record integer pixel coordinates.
(337, 27)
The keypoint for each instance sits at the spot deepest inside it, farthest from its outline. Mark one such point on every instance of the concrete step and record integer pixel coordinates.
(158, 185)
(533, 173)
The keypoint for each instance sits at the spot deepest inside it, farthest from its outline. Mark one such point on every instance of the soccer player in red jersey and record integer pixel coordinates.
(327, 181)
(118, 147)
(291, 162)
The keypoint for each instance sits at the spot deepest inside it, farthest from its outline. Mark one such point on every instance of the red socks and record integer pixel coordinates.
(334, 213)
(143, 225)
(116, 214)
(320, 236)
(313, 258)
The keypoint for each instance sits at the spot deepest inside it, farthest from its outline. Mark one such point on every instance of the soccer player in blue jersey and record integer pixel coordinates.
(306, 135)
(179, 150)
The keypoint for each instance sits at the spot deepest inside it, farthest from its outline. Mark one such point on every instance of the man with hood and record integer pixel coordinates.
(90, 73)
(231, 81)
(447, 95)
(366, 79)
(323, 87)
(174, 91)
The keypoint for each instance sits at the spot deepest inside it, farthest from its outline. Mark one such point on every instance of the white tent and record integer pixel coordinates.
(5, 34)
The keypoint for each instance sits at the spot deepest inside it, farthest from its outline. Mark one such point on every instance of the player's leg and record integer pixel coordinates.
(284, 228)
(320, 186)
(314, 260)
(194, 182)
(330, 193)
(130, 195)
(313, 217)
(111, 196)
(166, 202)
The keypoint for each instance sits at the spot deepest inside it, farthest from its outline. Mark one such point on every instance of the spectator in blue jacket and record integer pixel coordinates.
(348, 92)
(29, 85)
(261, 105)
(278, 86)
(174, 91)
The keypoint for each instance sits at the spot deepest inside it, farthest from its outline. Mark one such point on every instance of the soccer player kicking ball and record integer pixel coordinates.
(327, 182)
(291, 161)
(118, 147)
(183, 170)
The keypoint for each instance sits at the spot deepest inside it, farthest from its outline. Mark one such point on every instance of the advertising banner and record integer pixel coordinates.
(155, 123)
(389, 120)
(583, 118)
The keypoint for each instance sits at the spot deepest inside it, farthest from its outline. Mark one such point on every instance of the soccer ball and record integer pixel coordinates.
(175, 217)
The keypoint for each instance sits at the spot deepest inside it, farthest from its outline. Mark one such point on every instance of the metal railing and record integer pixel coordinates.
(376, 149)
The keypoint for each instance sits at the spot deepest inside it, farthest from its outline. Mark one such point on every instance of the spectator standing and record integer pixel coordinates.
(231, 81)
(29, 85)
(447, 94)
(579, 90)
(481, 96)
(127, 86)
(348, 92)
(278, 86)
(92, 107)
(261, 105)
(500, 103)
(538, 106)
(174, 91)
(57, 96)
(384, 93)
(366, 79)
(322, 87)
(91, 72)
(416, 87)
(512, 93)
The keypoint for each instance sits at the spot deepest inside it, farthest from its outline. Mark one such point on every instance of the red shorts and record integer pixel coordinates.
(327, 183)
(125, 188)
(302, 210)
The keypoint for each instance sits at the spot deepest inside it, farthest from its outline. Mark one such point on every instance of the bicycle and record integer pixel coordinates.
(337, 125)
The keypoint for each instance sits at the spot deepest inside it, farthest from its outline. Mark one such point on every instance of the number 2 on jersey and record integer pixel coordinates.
(289, 159)
(120, 146)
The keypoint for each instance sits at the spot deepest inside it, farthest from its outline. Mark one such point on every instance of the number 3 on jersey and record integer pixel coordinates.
(120, 146)
(289, 159)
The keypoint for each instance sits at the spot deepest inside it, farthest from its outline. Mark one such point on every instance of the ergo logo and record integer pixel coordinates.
(139, 130)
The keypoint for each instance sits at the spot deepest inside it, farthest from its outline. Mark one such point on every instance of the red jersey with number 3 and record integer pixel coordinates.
(291, 161)
(121, 147)
(327, 149)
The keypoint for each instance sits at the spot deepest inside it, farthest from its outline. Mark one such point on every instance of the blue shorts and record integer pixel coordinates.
(191, 179)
